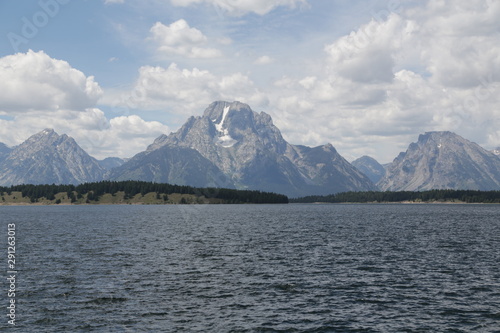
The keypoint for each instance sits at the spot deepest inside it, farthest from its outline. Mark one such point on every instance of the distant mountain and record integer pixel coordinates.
(240, 147)
(47, 158)
(443, 160)
(4, 151)
(370, 167)
(111, 162)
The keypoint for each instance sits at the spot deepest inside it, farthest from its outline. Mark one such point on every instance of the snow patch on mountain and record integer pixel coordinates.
(224, 139)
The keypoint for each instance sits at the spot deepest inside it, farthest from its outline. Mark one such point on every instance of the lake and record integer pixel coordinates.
(254, 268)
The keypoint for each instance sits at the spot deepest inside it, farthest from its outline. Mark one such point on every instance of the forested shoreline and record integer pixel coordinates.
(112, 192)
(458, 196)
(132, 192)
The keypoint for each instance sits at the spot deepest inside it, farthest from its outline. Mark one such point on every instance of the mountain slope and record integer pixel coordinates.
(251, 152)
(4, 151)
(327, 171)
(443, 160)
(174, 165)
(47, 158)
(370, 167)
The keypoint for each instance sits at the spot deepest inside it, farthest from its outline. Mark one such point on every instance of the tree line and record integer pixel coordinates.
(131, 188)
(467, 196)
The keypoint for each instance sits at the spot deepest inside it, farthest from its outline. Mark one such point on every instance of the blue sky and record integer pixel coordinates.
(366, 76)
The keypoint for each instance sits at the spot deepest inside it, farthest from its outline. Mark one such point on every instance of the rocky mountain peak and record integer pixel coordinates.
(439, 138)
(370, 167)
(47, 157)
(48, 135)
(443, 160)
(216, 110)
(329, 148)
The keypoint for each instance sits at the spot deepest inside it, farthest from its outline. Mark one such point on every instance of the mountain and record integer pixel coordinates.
(4, 151)
(110, 163)
(326, 171)
(370, 167)
(443, 160)
(47, 158)
(246, 150)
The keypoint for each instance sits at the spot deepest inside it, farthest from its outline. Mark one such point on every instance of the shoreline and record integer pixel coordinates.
(398, 203)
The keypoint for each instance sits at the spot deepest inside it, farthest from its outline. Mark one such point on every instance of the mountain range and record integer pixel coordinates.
(232, 146)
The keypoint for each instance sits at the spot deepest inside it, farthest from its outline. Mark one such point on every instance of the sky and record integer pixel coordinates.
(367, 76)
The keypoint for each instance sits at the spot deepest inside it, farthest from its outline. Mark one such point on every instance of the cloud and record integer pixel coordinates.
(461, 45)
(180, 39)
(34, 81)
(242, 7)
(185, 91)
(264, 60)
(108, 2)
(369, 54)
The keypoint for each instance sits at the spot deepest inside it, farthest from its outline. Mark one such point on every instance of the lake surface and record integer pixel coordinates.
(255, 268)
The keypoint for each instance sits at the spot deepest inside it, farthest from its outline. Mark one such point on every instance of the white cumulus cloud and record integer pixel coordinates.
(264, 60)
(186, 91)
(35, 81)
(180, 39)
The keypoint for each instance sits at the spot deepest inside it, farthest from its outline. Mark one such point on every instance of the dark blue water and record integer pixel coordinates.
(249, 268)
